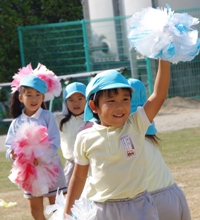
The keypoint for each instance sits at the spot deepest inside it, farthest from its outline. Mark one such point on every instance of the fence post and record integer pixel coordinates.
(133, 63)
(21, 49)
(149, 75)
(86, 45)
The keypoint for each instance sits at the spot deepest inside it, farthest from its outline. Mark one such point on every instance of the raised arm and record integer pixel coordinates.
(159, 94)
(76, 185)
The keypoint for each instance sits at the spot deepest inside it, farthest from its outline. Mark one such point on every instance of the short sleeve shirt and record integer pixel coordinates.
(158, 173)
(68, 134)
(116, 157)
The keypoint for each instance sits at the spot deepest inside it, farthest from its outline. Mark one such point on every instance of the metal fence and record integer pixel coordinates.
(78, 47)
(93, 45)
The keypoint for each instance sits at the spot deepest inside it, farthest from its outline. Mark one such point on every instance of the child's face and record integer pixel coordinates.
(32, 100)
(113, 110)
(76, 103)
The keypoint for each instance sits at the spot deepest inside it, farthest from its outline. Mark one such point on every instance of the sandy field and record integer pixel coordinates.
(178, 113)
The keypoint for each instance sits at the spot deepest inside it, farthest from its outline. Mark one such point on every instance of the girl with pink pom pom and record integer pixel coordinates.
(71, 117)
(33, 138)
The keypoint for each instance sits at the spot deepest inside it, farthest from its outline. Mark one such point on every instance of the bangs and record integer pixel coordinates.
(110, 92)
(107, 92)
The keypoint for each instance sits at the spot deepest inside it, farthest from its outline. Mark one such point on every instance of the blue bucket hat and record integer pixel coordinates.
(139, 98)
(73, 88)
(34, 82)
(109, 79)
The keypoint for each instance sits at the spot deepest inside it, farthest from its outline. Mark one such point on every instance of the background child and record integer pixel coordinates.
(27, 108)
(70, 122)
(168, 197)
(113, 150)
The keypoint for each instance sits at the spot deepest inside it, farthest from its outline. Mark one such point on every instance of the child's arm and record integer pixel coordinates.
(76, 185)
(53, 130)
(161, 85)
(10, 155)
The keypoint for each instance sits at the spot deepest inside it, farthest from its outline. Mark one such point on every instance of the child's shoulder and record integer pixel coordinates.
(86, 130)
(14, 120)
(86, 135)
(87, 125)
(58, 116)
(46, 113)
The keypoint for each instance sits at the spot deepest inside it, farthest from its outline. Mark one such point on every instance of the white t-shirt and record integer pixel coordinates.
(116, 157)
(68, 134)
(158, 173)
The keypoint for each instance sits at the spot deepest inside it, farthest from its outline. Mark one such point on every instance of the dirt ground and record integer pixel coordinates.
(176, 113)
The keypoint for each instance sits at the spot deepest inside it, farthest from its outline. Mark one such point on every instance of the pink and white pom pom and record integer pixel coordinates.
(28, 146)
(22, 73)
(52, 81)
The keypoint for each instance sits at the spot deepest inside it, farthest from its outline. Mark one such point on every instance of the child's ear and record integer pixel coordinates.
(20, 97)
(92, 106)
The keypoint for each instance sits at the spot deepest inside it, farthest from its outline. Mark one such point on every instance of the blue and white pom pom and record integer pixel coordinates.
(163, 34)
(83, 209)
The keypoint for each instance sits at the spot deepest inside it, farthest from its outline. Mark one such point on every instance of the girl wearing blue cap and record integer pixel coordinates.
(70, 122)
(168, 197)
(33, 138)
(111, 152)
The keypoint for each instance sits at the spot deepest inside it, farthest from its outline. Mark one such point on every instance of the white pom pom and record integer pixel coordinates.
(161, 33)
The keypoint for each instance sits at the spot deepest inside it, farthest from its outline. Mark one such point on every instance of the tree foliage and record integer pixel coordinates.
(14, 13)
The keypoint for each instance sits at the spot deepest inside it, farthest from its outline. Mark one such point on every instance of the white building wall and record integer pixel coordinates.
(103, 31)
(132, 6)
(129, 7)
(104, 9)
(179, 4)
(100, 9)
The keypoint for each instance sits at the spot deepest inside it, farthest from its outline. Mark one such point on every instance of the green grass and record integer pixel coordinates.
(181, 147)
(5, 167)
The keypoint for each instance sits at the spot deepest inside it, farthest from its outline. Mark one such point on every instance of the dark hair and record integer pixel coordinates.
(153, 138)
(64, 120)
(16, 106)
(95, 97)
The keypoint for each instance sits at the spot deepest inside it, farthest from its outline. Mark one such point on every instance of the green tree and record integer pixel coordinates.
(14, 13)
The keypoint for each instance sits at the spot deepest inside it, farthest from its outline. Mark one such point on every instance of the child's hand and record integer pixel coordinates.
(13, 155)
(35, 162)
